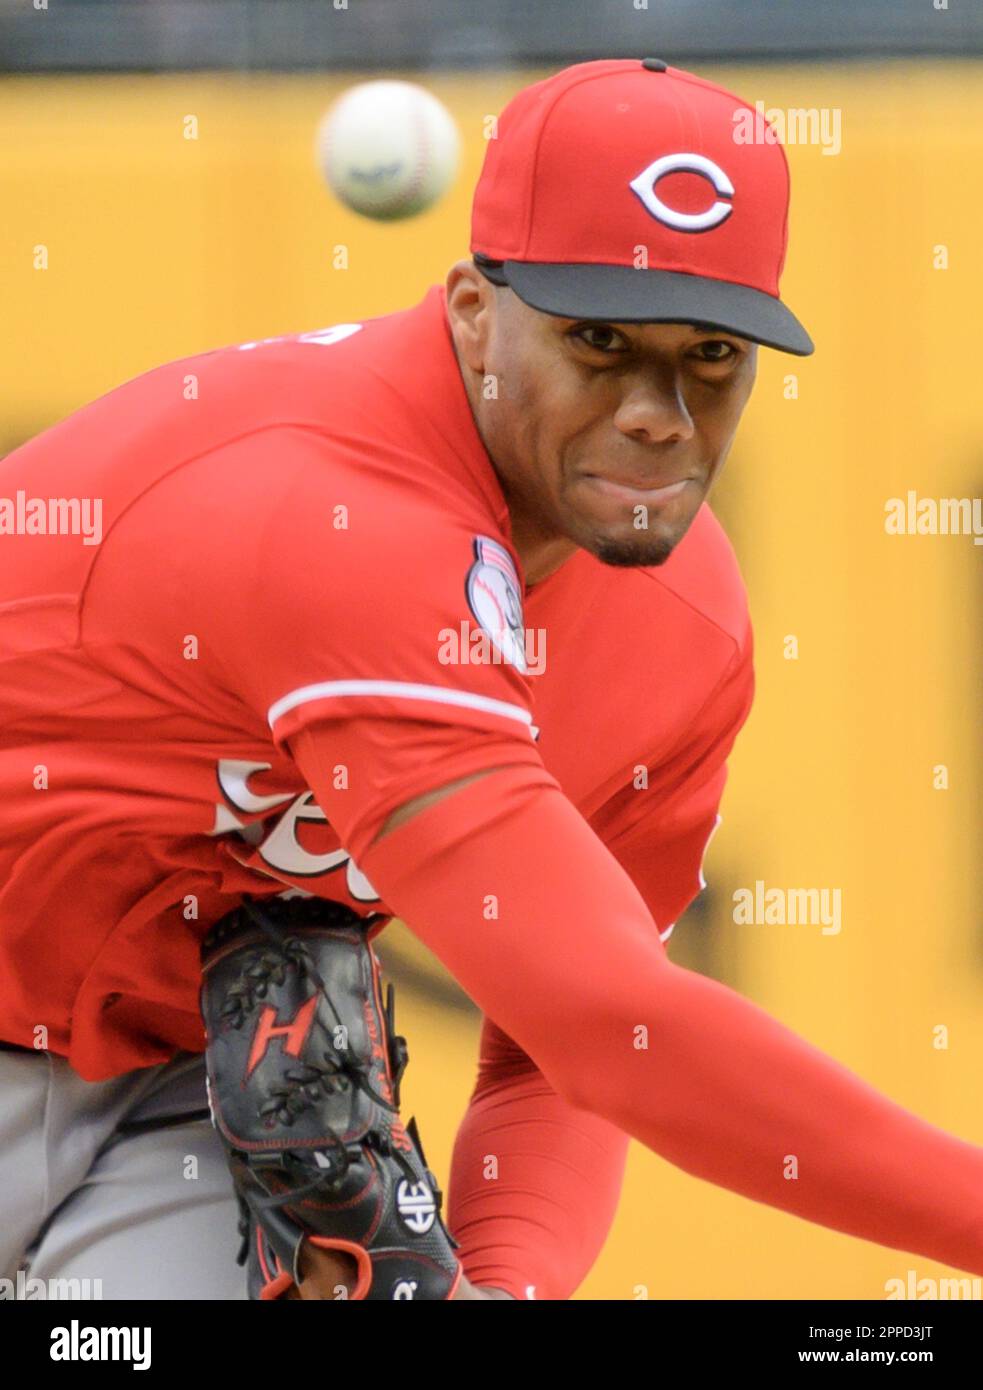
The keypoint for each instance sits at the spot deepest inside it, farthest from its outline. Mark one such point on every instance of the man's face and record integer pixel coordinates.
(606, 434)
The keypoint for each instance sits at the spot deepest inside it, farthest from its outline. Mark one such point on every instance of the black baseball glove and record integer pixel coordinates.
(303, 1077)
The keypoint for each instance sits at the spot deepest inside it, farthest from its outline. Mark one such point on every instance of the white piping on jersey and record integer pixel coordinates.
(400, 690)
(703, 858)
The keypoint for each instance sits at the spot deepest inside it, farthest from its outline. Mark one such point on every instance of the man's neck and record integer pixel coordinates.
(540, 556)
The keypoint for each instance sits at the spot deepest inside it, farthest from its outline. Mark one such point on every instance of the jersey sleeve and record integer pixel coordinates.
(364, 604)
(660, 832)
(335, 590)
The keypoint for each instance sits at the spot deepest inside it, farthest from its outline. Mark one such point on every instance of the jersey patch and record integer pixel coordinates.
(495, 600)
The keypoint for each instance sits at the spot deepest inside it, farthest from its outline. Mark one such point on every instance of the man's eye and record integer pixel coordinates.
(600, 337)
(716, 350)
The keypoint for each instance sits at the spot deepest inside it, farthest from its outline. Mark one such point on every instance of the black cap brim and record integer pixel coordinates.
(621, 294)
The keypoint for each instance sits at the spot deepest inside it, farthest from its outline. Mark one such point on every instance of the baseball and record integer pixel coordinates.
(388, 149)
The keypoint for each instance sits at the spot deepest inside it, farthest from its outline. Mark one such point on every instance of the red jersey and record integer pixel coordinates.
(307, 534)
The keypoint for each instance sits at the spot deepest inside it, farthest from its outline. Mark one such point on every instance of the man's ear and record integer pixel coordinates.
(470, 306)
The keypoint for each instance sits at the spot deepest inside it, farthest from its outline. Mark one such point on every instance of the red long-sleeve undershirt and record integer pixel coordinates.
(534, 1183)
(510, 888)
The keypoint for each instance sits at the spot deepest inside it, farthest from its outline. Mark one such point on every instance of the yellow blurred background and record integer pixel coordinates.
(159, 247)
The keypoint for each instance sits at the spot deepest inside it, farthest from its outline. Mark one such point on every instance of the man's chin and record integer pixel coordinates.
(630, 554)
(617, 543)
(635, 549)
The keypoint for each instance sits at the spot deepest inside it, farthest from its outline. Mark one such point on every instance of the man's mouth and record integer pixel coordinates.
(637, 491)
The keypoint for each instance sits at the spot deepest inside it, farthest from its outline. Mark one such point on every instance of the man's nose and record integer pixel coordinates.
(654, 413)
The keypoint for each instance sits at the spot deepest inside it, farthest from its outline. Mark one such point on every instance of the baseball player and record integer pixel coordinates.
(298, 689)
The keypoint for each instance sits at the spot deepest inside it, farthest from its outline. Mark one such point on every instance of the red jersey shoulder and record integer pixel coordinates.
(317, 378)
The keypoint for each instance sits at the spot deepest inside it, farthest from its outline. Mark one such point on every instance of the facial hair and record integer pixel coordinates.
(631, 555)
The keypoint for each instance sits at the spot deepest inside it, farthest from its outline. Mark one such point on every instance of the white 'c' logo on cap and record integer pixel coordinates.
(644, 186)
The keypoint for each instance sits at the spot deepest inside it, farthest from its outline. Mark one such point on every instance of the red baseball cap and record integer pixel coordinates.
(630, 191)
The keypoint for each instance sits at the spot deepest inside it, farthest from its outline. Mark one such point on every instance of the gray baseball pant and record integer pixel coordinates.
(124, 1182)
